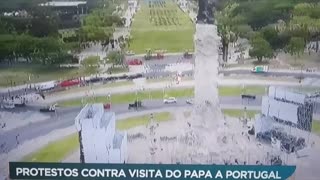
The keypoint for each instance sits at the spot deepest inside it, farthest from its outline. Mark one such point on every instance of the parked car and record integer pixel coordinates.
(135, 105)
(68, 83)
(51, 108)
(248, 96)
(260, 69)
(107, 106)
(134, 62)
(170, 100)
(8, 106)
(189, 101)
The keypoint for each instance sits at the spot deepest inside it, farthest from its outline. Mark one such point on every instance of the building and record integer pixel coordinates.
(69, 12)
(99, 140)
(291, 108)
(183, 3)
(285, 120)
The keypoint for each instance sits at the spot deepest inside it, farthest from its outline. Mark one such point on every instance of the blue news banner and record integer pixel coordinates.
(23, 170)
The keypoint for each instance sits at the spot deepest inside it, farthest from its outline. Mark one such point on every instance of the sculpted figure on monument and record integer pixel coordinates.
(205, 13)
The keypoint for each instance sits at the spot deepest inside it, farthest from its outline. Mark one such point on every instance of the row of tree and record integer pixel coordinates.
(46, 50)
(35, 38)
(270, 25)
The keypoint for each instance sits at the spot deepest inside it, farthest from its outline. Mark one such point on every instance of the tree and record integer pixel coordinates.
(26, 46)
(43, 27)
(260, 48)
(226, 27)
(243, 31)
(296, 46)
(8, 47)
(116, 57)
(46, 50)
(91, 64)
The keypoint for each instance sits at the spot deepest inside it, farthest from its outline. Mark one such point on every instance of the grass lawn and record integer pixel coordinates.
(118, 70)
(316, 127)
(58, 150)
(306, 89)
(238, 90)
(131, 97)
(239, 113)
(20, 74)
(142, 120)
(55, 151)
(161, 27)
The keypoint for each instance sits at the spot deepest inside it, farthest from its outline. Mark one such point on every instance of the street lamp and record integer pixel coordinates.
(109, 97)
(163, 92)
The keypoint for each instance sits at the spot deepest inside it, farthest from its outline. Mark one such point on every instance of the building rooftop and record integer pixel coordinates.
(64, 3)
(285, 94)
(95, 114)
(107, 117)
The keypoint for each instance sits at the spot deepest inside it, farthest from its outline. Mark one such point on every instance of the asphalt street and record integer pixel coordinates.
(276, 74)
(64, 117)
(157, 71)
(160, 74)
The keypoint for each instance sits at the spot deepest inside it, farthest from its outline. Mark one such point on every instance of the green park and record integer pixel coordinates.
(161, 26)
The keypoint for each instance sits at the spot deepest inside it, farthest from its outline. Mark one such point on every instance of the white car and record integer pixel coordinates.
(8, 106)
(170, 100)
(189, 101)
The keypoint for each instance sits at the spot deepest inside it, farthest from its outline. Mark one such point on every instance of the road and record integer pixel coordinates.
(273, 73)
(158, 69)
(65, 118)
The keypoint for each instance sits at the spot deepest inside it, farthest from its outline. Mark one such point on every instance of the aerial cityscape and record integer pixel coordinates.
(161, 82)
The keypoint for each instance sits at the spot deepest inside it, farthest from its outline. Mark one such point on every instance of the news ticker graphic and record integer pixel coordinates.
(24, 170)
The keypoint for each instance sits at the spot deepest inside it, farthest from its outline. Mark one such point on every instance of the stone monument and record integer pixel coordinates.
(205, 13)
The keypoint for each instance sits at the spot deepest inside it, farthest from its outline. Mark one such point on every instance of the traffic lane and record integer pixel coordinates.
(166, 60)
(34, 130)
(63, 119)
(17, 92)
(297, 75)
(238, 100)
(122, 108)
(160, 73)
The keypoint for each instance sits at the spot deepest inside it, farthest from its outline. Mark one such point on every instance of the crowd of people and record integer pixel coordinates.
(19, 100)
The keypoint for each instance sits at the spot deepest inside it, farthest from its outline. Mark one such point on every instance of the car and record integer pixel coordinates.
(189, 101)
(136, 105)
(170, 100)
(51, 108)
(107, 106)
(260, 69)
(8, 106)
(134, 62)
(248, 96)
